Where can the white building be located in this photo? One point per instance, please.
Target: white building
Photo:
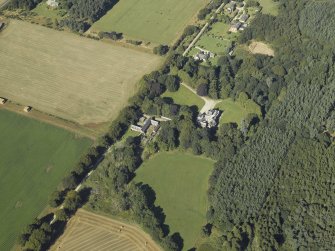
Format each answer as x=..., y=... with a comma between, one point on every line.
x=52, y=3
x=208, y=119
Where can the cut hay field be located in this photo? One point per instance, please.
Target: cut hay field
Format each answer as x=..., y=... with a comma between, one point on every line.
x=34, y=157
x=180, y=181
x=156, y=21
x=87, y=231
x=71, y=77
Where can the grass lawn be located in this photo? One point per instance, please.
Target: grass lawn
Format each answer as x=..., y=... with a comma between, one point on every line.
x=269, y=7
x=234, y=112
x=157, y=21
x=33, y=159
x=185, y=97
x=217, y=39
x=180, y=181
x=43, y=10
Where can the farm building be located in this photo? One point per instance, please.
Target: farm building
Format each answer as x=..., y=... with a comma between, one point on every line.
x=244, y=18
x=27, y=108
x=3, y=101
x=231, y=7
x=143, y=125
x=209, y=118
x=52, y=3
x=235, y=27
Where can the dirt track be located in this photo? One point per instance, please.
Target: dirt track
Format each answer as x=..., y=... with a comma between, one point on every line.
x=87, y=231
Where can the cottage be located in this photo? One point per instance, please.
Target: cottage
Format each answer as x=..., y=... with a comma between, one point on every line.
x=244, y=18
x=52, y=3
x=235, y=27
x=27, y=109
x=3, y=101
x=231, y=7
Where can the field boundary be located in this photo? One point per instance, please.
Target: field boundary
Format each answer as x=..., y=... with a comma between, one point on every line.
x=51, y=119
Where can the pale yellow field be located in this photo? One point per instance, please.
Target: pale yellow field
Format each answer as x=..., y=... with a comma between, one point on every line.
x=65, y=75
x=91, y=232
x=261, y=48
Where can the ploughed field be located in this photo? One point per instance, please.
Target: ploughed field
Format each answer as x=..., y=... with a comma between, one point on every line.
x=87, y=231
x=34, y=157
x=71, y=77
x=156, y=21
x=180, y=181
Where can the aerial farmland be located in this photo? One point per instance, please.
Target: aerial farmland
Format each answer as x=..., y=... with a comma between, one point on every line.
x=151, y=21
x=43, y=155
x=68, y=76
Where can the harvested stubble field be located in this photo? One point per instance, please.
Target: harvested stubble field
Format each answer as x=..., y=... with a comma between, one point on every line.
x=71, y=77
x=87, y=231
x=157, y=21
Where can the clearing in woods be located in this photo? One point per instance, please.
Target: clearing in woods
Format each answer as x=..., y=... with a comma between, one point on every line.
x=156, y=21
x=87, y=231
x=184, y=97
x=34, y=157
x=261, y=48
x=269, y=7
x=74, y=78
x=180, y=181
x=235, y=112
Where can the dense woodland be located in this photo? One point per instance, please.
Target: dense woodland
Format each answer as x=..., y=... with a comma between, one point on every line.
x=273, y=185
x=280, y=182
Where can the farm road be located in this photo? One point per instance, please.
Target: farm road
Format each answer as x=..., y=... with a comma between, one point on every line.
x=209, y=103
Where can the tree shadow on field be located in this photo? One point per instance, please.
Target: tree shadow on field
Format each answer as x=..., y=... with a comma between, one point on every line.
x=157, y=210
x=176, y=237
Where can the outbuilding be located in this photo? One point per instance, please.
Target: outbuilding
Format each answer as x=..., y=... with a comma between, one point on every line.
x=27, y=108
x=3, y=101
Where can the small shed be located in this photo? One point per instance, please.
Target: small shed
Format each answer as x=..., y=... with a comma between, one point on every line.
x=3, y=101
x=231, y=7
x=244, y=18
x=235, y=27
x=27, y=108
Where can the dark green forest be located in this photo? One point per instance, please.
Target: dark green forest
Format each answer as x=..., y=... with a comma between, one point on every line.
x=279, y=189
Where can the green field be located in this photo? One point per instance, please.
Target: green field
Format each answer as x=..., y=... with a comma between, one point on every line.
x=180, y=181
x=269, y=7
x=157, y=21
x=185, y=97
x=234, y=111
x=33, y=159
x=43, y=10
